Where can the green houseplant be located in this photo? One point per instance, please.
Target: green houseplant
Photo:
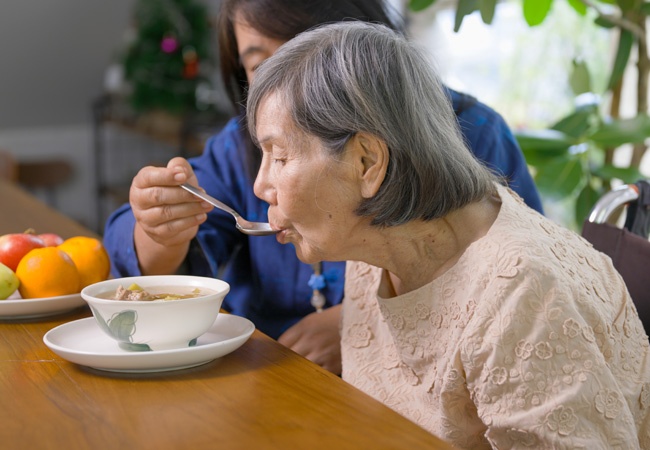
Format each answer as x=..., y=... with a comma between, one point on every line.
x=572, y=158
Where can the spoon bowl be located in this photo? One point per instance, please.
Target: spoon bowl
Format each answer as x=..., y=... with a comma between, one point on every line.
x=243, y=225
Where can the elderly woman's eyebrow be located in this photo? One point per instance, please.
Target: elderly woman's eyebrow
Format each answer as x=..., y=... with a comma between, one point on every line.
x=265, y=139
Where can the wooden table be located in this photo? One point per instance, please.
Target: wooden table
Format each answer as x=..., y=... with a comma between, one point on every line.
x=261, y=396
x=19, y=210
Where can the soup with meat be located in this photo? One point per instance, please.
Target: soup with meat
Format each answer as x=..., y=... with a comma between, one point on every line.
x=153, y=293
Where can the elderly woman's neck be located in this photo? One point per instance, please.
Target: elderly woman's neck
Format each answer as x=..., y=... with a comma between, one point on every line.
x=429, y=249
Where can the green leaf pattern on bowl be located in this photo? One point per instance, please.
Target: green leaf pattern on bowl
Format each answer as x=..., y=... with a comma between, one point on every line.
x=121, y=326
x=134, y=347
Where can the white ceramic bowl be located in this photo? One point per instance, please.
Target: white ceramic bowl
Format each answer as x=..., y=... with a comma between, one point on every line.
x=144, y=325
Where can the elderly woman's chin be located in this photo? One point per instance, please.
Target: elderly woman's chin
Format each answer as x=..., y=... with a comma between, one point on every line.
x=307, y=254
x=307, y=257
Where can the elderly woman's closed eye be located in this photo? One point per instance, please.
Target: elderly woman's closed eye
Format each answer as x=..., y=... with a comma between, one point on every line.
x=458, y=312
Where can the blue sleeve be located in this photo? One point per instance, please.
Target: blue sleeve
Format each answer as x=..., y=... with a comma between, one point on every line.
x=220, y=171
x=491, y=140
x=118, y=240
x=217, y=172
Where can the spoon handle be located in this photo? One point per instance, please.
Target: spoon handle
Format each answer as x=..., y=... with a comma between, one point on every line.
x=213, y=201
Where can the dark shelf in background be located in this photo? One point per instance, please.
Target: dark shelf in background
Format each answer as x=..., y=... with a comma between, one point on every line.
x=115, y=165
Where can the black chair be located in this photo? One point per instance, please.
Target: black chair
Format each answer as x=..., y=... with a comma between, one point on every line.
x=45, y=176
x=628, y=246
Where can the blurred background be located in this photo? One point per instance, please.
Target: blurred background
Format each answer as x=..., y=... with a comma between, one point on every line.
x=79, y=122
x=64, y=111
x=55, y=56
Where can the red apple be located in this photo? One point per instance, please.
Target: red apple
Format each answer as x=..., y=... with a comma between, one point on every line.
x=16, y=245
x=51, y=239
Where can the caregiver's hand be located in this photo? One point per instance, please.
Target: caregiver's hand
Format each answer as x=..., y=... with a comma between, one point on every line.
x=317, y=338
x=167, y=217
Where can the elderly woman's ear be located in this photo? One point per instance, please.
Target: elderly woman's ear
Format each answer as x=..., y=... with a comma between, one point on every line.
x=369, y=155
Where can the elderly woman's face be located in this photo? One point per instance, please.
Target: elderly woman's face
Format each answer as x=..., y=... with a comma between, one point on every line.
x=312, y=195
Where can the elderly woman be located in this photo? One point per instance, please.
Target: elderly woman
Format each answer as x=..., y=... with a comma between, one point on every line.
x=465, y=310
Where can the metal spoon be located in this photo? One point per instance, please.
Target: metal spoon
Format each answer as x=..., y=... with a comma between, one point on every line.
x=243, y=225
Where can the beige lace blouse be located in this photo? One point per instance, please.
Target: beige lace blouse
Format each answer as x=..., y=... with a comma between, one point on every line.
x=530, y=341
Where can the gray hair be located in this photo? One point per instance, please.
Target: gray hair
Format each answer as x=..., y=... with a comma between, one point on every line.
x=341, y=79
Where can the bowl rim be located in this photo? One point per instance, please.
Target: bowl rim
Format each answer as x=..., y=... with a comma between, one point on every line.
x=221, y=287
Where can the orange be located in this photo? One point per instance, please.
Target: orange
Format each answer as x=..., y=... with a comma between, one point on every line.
x=47, y=272
x=90, y=256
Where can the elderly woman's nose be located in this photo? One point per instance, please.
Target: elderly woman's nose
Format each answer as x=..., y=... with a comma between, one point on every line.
x=262, y=187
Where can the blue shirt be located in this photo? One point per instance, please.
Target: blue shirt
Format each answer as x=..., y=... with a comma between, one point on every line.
x=268, y=284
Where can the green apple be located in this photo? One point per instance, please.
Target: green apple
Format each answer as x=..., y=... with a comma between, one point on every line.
x=8, y=282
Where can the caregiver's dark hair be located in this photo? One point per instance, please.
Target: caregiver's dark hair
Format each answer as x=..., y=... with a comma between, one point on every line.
x=341, y=79
x=282, y=20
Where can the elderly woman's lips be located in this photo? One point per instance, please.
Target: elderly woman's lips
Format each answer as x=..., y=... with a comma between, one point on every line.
x=281, y=235
x=276, y=227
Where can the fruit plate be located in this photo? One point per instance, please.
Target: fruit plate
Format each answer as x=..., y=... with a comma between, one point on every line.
x=16, y=308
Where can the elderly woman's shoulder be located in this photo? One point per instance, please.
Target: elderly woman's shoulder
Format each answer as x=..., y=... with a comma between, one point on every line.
x=539, y=269
x=536, y=247
x=540, y=234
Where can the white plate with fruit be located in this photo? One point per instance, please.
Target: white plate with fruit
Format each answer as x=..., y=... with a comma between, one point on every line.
x=18, y=308
x=42, y=275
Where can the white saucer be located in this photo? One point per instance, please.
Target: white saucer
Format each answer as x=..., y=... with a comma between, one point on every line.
x=83, y=342
x=16, y=308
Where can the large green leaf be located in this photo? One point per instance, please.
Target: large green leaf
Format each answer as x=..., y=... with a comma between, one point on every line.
x=419, y=5
x=623, y=131
x=487, y=8
x=538, y=158
x=626, y=5
x=544, y=140
x=625, y=174
x=585, y=202
x=645, y=8
x=560, y=178
x=603, y=22
x=535, y=11
x=579, y=79
x=579, y=122
x=464, y=8
x=579, y=7
x=622, y=56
